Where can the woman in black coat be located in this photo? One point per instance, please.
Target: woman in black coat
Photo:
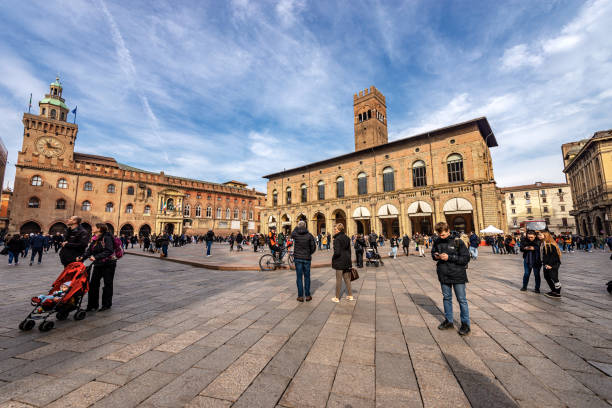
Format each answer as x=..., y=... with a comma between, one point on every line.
x=102, y=252
x=341, y=262
x=551, y=261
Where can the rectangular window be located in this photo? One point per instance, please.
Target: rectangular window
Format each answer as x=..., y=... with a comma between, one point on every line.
x=418, y=177
x=288, y=197
x=304, y=195
x=512, y=195
x=362, y=185
x=560, y=190
x=562, y=208
x=564, y=222
x=321, y=191
x=527, y=194
x=543, y=192
x=561, y=198
x=545, y=209
x=528, y=210
x=547, y=220
x=511, y=202
x=514, y=221
x=340, y=188
x=527, y=201
x=388, y=182
x=455, y=171
x=543, y=199
x=513, y=211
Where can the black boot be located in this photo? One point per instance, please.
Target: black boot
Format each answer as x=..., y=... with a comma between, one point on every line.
x=464, y=329
x=445, y=325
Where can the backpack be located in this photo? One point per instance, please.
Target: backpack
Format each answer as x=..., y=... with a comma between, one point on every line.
x=117, y=248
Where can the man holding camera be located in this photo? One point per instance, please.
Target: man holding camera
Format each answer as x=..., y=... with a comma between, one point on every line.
x=452, y=258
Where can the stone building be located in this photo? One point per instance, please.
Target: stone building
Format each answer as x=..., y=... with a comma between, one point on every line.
x=5, y=203
x=550, y=202
x=404, y=186
x=588, y=169
x=53, y=182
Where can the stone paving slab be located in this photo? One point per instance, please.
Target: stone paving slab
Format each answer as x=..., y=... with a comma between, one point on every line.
x=184, y=336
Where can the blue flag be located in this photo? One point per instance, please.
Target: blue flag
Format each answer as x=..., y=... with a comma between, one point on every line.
x=74, y=110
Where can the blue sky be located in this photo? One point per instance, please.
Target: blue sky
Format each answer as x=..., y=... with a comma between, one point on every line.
x=221, y=90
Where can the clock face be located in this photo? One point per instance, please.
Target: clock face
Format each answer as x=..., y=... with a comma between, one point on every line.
x=49, y=146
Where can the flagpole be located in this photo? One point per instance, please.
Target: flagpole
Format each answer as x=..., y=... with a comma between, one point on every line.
x=30, y=105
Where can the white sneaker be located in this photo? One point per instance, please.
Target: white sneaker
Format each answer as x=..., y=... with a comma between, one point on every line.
x=350, y=298
x=335, y=300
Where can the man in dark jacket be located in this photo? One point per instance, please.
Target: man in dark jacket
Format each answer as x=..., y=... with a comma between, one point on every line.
x=75, y=241
x=15, y=246
x=474, y=243
x=57, y=241
x=37, y=243
x=530, y=247
x=304, y=246
x=406, y=244
x=452, y=257
x=209, y=238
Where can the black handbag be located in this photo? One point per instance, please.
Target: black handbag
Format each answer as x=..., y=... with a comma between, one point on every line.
x=354, y=274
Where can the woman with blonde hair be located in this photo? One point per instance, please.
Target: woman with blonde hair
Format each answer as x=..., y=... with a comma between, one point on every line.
x=551, y=260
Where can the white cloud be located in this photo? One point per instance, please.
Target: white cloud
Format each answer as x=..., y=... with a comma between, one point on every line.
x=561, y=44
x=518, y=56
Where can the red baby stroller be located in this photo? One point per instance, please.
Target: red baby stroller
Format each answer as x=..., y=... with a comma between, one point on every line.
x=78, y=275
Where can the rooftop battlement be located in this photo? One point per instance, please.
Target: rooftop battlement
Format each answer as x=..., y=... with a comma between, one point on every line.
x=366, y=93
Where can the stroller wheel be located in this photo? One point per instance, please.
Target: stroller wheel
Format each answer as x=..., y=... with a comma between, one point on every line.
x=80, y=315
x=46, y=326
x=61, y=315
x=27, y=324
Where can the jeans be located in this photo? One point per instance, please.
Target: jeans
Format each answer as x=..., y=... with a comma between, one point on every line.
x=495, y=249
x=208, y=246
x=447, y=294
x=536, y=274
x=393, y=252
x=104, y=271
x=302, y=271
x=12, y=256
x=474, y=252
x=165, y=249
x=34, y=252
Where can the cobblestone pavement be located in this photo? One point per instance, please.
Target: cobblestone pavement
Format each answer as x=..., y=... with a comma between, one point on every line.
x=179, y=335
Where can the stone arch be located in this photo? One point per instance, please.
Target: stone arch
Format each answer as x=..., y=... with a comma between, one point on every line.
x=339, y=216
x=599, y=227
x=127, y=229
x=144, y=230
x=286, y=223
x=58, y=227
x=320, y=225
x=459, y=214
x=30, y=227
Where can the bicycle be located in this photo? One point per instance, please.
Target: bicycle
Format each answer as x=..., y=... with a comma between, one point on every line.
x=269, y=262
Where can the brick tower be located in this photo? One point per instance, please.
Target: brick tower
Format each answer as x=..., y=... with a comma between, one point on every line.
x=370, y=112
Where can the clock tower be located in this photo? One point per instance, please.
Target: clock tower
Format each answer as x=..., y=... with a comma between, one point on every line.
x=48, y=138
x=370, y=110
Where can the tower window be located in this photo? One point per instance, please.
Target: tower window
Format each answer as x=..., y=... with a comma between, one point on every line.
x=130, y=190
x=62, y=183
x=36, y=181
x=53, y=114
x=360, y=118
x=369, y=114
x=88, y=186
x=62, y=116
x=110, y=188
x=44, y=110
x=362, y=184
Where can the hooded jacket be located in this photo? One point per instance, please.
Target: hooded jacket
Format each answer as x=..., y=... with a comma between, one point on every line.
x=304, y=244
x=453, y=270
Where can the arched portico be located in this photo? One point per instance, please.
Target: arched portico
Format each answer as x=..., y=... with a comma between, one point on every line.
x=30, y=227
x=421, y=217
x=127, y=230
x=362, y=217
x=339, y=216
x=459, y=215
x=286, y=223
x=388, y=215
x=320, y=226
x=58, y=227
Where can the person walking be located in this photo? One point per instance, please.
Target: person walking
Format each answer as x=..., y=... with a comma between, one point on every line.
x=37, y=243
x=394, y=243
x=57, y=241
x=102, y=252
x=452, y=257
x=406, y=244
x=360, y=245
x=239, y=239
x=474, y=243
x=209, y=238
x=551, y=261
x=304, y=246
x=530, y=247
x=75, y=242
x=15, y=246
x=231, y=242
x=341, y=262
x=421, y=244
x=373, y=239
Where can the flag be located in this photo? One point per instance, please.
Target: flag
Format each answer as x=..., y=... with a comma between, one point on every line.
x=30, y=105
x=73, y=111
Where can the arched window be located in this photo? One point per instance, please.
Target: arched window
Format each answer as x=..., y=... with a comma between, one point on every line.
x=454, y=165
x=304, y=189
x=288, y=195
x=419, y=174
x=244, y=215
x=360, y=118
x=53, y=114
x=321, y=190
x=388, y=179
x=340, y=187
x=208, y=212
x=187, y=210
x=109, y=207
x=228, y=213
x=362, y=183
x=62, y=183
x=274, y=198
x=33, y=202
x=86, y=206
x=36, y=181
x=236, y=213
x=130, y=190
x=88, y=186
x=147, y=209
x=62, y=116
x=60, y=204
x=250, y=215
x=110, y=188
x=149, y=192
x=198, y=211
x=219, y=212
x=129, y=209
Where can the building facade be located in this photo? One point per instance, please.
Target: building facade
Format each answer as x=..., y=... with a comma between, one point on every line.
x=588, y=169
x=549, y=202
x=405, y=186
x=53, y=182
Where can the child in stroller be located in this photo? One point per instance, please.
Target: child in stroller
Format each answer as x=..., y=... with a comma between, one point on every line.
x=373, y=258
x=65, y=295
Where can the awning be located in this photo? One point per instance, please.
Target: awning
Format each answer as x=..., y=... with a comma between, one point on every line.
x=457, y=206
x=271, y=219
x=361, y=213
x=286, y=222
x=419, y=209
x=271, y=224
x=388, y=211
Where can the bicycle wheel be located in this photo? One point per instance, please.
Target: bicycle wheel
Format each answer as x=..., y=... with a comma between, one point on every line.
x=267, y=263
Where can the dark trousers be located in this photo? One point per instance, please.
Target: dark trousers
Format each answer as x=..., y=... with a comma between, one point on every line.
x=552, y=278
x=104, y=271
x=536, y=274
x=34, y=252
x=57, y=246
x=359, y=256
x=302, y=271
x=406, y=250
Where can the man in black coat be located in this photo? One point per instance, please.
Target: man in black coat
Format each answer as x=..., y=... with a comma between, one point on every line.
x=75, y=241
x=452, y=257
x=406, y=244
x=530, y=247
x=209, y=238
x=304, y=246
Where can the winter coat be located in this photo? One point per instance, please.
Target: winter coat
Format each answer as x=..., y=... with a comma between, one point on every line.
x=210, y=236
x=102, y=249
x=550, y=256
x=15, y=245
x=531, y=256
x=393, y=242
x=304, y=244
x=341, y=260
x=406, y=241
x=453, y=270
x=359, y=245
x=77, y=240
x=474, y=241
x=37, y=241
